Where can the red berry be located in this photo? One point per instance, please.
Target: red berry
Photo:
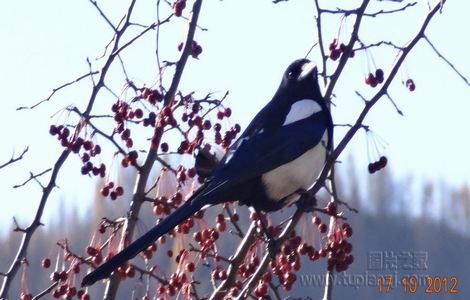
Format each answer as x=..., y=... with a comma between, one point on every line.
x=332, y=208
x=196, y=49
x=87, y=145
x=206, y=125
x=180, y=46
x=164, y=147
x=333, y=44
x=190, y=267
x=104, y=191
x=46, y=263
x=410, y=85
x=383, y=161
x=316, y=220
x=119, y=191
x=371, y=80
x=322, y=228
x=379, y=75
x=26, y=296
x=347, y=231
x=146, y=93
x=91, y=251
x=55, y=276
x=125, y=134
x=178, y=7
x=53, y=130
x=253, y=216
x=221, y=226
x=335, y=54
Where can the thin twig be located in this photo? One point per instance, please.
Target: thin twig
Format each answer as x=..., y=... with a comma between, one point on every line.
x=14, y=159
x=95, y=4
x=57, y=89
x=373, y=15
x=446, y=61
x=32, y=177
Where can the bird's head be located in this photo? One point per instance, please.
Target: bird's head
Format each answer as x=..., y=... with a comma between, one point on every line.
x=300, y=80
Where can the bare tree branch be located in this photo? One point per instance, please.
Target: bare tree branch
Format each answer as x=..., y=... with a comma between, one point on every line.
x=15, y=159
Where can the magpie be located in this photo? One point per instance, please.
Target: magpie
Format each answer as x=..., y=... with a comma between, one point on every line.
x=279, y=155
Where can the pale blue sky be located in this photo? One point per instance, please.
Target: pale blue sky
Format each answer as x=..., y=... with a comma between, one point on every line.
x=246, y=49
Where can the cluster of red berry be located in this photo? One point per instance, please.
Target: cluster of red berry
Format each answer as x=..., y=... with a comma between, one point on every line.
x=340, y=249
x=287, y=262
x=410, y=85
x=113, y=194
x=178, y=283
x=195, y=50
x=206, y=239
x=228, y=137
x=163, y=205
x=64, y=288
x=178, y=7
x=128, y=270
x=336, y=51
x=95, y=253
x=75, y=144
x=322, y=227
x=374, y=80
x=152, y=96
x=123, y=112
x=377, y=165
x=63, y=279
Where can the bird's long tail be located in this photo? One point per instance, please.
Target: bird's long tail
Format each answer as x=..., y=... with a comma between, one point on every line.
x=171, y=221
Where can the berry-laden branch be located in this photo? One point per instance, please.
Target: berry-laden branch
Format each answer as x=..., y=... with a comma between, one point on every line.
x=235, y=262
x=143, y=176
x=29, y=231
x=14, y=159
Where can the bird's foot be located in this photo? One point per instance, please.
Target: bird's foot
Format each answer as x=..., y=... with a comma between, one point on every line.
x=307, y=201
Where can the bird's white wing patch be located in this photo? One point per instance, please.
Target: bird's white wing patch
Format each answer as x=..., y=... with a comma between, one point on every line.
x=302, y=109
x=231, y=152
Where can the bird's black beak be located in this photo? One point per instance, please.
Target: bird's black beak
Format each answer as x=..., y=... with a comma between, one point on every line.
x=308, y=70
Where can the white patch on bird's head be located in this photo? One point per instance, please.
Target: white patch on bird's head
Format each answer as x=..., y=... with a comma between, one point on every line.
x=302, y=109
x=307, y=69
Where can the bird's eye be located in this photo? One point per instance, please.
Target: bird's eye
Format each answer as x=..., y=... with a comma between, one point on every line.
x=291, y=75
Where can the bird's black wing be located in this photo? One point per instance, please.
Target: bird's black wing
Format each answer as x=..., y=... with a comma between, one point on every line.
x=262, y=151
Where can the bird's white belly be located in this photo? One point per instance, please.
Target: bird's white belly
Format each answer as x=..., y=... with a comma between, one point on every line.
x=300, y=173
